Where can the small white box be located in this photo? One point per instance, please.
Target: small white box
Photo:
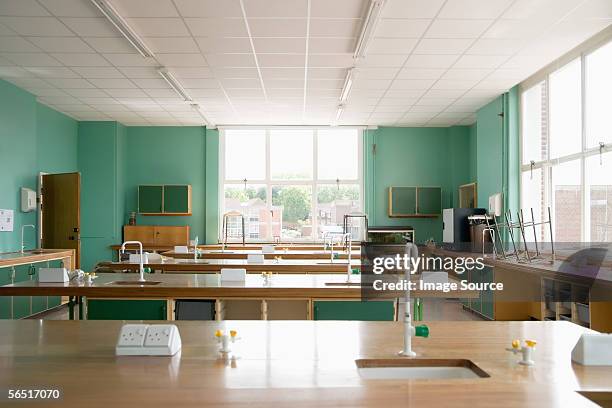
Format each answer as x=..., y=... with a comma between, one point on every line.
x=255, y=258
x=233, y=274
x=267, y=249
x=53, y=275
x=28, y=200
x=181, y=249
x=593, y=349
x=135, y=258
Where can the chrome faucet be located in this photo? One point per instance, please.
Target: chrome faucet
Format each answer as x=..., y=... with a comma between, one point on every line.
x=195, y=248
x=409, y=330
x=346, y=238
x=23, y=227
x=141, y=269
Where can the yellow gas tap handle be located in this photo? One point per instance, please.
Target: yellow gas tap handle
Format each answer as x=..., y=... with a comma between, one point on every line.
x=530, y=343
x=233, y=333
x=516, y=344
x=218, y=333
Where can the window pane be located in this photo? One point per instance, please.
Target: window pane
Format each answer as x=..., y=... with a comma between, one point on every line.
x=291, y=154
x=251, y=203
x=333, y=203
x=598, y=91
x=598, y=178
x=245, y=154
x=532, y=198
x=293, y=206
x=566, y=204
x=565, y=112
x=533, y=123
x=338, y=154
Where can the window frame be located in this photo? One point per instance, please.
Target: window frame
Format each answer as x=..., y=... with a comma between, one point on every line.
x=547, y=164
x=269, y=182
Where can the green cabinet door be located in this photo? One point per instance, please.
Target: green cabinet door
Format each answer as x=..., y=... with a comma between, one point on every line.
x=354, y=310
x=403, y=201
x=150, y=199
x=21, y=304
x=53, y=301
x=39, y=303
x=476, y=303
x=487, y=296
x=466, y=275
x=120, y=309
x=176, y=199
x=5, y=301
x=429, y=200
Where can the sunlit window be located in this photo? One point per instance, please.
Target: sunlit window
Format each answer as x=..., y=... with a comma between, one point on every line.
x=291, y=184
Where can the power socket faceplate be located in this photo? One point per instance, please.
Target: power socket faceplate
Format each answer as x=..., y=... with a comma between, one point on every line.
x=148, y=340
x=132, y=335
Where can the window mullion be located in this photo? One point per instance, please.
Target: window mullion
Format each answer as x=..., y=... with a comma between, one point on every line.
x=583, y=201
x=314, y=183
x=268, y=184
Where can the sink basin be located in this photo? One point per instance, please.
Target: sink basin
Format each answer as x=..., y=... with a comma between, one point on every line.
x=134, y=283
x=418, y=369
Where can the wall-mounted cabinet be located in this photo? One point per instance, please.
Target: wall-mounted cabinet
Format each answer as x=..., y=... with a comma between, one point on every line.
x=164, y=199
x=415, y=202
x=157, y=235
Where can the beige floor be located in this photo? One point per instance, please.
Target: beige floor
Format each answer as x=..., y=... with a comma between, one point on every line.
x=433, y=309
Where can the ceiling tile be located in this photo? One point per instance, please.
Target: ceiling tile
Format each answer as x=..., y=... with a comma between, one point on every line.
x=382, y=60
x=280, y=45
x=228, y=73
x=480, y=61
x=87, y=92
x=337, y=8
x=61, y=44
x=444, y=93
x=593, y=9
x=275, y=8
x=442, y=46
x=159, y=27
x=402, y=46
x=22, y=8
x=91, y=27
x=112, y=83
x=224, y=45
x=489, y=46
x=162, y=93
x=37, y=26
x=326, y=73
x=527, y=9
x=420, y=73
x=411, y=8
x=140, y=72
x=330, y=60
x=110, y=44
x=182, y=60
x=144, y=8
x=516, y=29
x=16, y=44
x=361, y=83
x=322, y=45
x=98, y=72
x=125, y=92
x=209, y=8
x=151, y=83
x=442, y=28
x=172, y=44
x=230, y=60
x=281, y=60
x=412, y=83
x=241, y=83
x=66, y=83
x=200, y=83
x=430, y=61
x=464, y=74
x=401, y=28
x=31, y=59
x=282, y=73
x=376, y=73
x=130, y=60
x=474, y=9
x=462, y=84
x=70, y=8
x=344, y=28
x=214, y=27
x=81, y=59
x=277, y=27
x=53, y=72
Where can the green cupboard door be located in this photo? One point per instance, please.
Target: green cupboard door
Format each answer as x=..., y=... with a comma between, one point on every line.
x=354, y=310
x=488, y=303
x=39, y=303
x=176, y=199
x=21, y=304
x=5, y=301
x=429, y=200
x=53, y=301
x=119, y=309
x=466, y=275
x=476, y=303
x=150, y=199
x=402, y=201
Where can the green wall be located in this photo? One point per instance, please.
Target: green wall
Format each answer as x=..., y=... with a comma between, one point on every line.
x=166, y=155
x=33, y=138
x=415, y=157
x=212, y=186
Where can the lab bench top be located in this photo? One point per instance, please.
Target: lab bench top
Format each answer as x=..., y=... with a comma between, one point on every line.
x=215, y=265
x=239, y=246
x=297, y=364
x=244, y=253
x=182, y=286
x=8, y=259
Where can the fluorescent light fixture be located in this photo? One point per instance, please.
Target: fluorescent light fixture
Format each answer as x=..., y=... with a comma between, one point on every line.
x=174, y=84
x=339, y=112
x=369, y=25
x=111, y=14
x=348, y=84
x=198, y=109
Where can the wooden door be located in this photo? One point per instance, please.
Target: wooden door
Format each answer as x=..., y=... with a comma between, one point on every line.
x=61, y=212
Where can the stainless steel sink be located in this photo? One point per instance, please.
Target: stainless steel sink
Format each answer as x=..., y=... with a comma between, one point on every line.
x=134, y=283
x=418, y=369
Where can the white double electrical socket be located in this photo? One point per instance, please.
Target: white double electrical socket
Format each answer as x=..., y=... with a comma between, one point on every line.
x=148, y=340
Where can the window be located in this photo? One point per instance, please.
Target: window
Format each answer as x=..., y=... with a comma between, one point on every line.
x=290, y=184
x=565, y=163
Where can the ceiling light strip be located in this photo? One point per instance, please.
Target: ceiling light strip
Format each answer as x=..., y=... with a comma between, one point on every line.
x=348, y=84
x=368, y=28
x=202, y=114
x=174, y=84
x=113, y=16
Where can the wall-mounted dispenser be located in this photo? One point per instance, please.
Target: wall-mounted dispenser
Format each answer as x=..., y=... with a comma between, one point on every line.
x=495, y=204
x=28, y=200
